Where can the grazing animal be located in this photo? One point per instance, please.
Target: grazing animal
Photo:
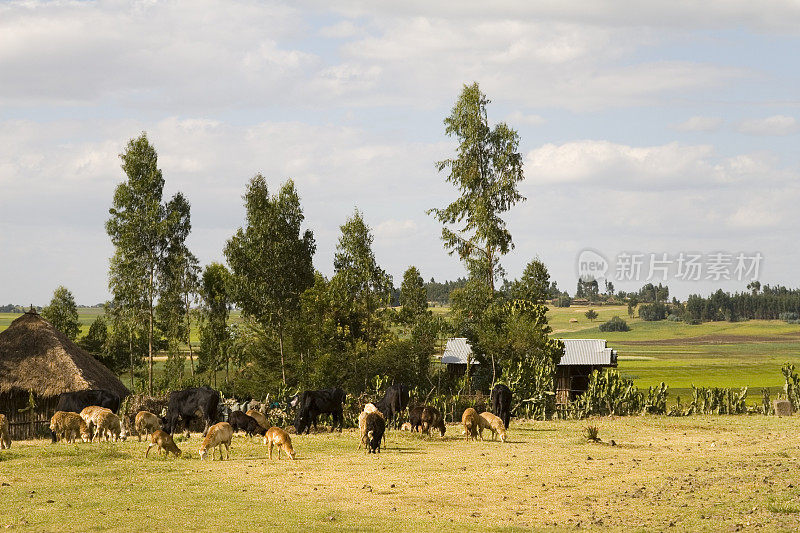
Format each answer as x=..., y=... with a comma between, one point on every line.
x=432, y=418
x=90, y=415
x=260, y=418
x=362, y=422
x=292, y=402
x=218, y=435
x=146, y=423
x=375, y=430
x=108, y=426
x=501, y=403
x=471, y=422
x=316, y=402
x=5, y=433
x=162, y=441
x=406, y=427
x=188, y=404
x=240, y=421
x=493, y=423
x=415, y=417
x=77, y=401
x=277, y=437
x=68, y=426
x=393, y=403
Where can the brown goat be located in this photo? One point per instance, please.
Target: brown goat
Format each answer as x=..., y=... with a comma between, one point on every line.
x=362, y=418
x=163, y=441
x=218, y=435
x=146, y=423
x=5, y=433
x=277, y=437
x=108, y=426
x=69, y=426
x=90, y=415
x=493, y=423
x=260, y=418
x=471, y=422
x=432, y=418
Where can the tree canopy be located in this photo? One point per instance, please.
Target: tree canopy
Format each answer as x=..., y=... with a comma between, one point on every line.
x=63, y=313
x=486, y=171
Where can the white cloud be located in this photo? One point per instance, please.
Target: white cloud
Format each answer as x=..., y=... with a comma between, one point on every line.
x=774, y=125
x=705, y=124
x=518, y=117
x=392, y=229
x=776, y=15
x=340, y=30
x=612, y=165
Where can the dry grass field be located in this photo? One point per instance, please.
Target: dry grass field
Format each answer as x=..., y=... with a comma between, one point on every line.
x=698, y=473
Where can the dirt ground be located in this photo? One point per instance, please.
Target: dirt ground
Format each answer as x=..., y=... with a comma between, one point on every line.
x=701, y=473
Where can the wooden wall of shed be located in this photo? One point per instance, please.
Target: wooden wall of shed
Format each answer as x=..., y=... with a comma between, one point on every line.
x=25, y=425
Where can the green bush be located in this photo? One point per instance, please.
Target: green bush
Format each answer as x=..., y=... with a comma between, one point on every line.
x=615, y=324
x=653, y=312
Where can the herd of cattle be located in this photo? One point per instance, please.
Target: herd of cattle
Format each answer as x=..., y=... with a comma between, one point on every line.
x=92, y=416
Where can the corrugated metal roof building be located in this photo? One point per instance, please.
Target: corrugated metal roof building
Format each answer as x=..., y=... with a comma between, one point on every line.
x=457, y=352
x=581, y=358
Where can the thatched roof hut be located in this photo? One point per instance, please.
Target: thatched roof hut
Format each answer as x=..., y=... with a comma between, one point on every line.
x=37, y=358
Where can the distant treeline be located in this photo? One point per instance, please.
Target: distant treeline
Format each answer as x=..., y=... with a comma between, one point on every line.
x=12, y=308
x=768, y=303
x=439, y=292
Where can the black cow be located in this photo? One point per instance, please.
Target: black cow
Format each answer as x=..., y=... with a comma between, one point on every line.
x=415, y=417
x=316, y=402
x=77, y=401
x=186, y=405
x=375, y=429
x=239, y=420
x=501, y=403
x=393, y=403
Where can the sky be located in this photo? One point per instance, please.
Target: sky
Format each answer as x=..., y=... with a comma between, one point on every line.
x=655, y=135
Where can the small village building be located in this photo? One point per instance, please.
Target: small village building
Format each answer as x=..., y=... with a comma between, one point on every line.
x=38, y=363
x=457, y=354
x=581, y=358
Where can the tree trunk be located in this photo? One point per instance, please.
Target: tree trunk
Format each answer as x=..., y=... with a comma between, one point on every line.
x=150, y=339
x=130, y=350
x=283, y=366
x=189, y=333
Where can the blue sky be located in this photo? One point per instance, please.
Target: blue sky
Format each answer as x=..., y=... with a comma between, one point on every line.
x=663, y=127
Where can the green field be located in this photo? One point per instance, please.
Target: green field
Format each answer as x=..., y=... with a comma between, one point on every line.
x=714, y=473
x=714, y=354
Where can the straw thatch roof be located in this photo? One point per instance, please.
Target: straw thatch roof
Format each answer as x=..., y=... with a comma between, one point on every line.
x=36, y=356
